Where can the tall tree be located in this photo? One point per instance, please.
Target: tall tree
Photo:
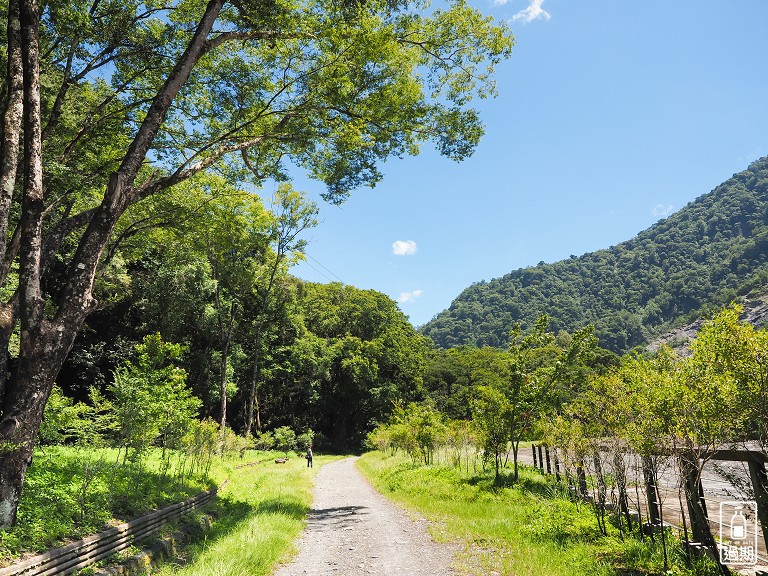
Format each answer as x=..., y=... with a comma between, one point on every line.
x=374, y=358
x=292, y=213
x=234, y=241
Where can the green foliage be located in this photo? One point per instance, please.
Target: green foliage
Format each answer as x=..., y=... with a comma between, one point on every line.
x=419, y=429
x=672, y=402
x=696, y=260
x=265, y=441
x=357, y=359
x=305, y=440
x=284, y=438
x=334, y=90
x=448, y=380
x=200, y=443
x=491, y=416
x=732, y=356
x=63, y=419
x=150, y=400
x=71, y=492
x=668, y=409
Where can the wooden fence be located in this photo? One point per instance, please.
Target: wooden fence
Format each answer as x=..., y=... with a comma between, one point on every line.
x=755, y=460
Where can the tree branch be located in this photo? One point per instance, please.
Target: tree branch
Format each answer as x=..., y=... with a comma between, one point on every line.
x=224, y=37
x=11, y=127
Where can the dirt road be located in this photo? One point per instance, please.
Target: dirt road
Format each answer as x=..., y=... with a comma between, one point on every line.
x=353, y=530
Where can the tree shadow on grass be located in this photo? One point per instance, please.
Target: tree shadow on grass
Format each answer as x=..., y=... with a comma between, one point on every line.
x=541, y=488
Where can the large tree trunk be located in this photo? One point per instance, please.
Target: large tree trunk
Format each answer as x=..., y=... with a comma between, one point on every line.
x=22, y=414
x=9, y=159
x=24, y=399
x=44, y=343
x=11, y=126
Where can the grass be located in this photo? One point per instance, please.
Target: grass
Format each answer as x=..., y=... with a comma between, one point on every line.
x=72, y=492
x=523, y=528
x=259, y=514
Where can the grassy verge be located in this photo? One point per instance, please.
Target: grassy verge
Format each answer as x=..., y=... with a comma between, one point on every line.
x=528, y=528
x=72, y=492
x=259, y=514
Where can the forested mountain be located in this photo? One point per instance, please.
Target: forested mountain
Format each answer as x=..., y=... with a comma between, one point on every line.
x=703, y=256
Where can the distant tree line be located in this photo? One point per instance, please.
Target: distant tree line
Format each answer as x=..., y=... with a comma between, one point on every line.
x=329, y=358
x=488, y=400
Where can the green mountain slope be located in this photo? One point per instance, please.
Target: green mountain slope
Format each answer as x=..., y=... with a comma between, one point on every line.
x=701, y=257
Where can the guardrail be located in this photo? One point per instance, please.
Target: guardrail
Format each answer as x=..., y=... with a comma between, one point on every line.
x=91, y=549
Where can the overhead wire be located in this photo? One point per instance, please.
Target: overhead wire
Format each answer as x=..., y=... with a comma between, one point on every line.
x=324, y=275
x=324, y=268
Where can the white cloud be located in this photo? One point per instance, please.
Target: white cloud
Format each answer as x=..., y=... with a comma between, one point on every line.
x=662, y=211
x=407, y=297
x=533, y=12
x=403, y=247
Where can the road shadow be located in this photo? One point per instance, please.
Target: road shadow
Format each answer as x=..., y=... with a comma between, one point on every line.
x=338, y=517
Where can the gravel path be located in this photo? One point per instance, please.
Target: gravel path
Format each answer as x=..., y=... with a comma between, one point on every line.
x=353, y=530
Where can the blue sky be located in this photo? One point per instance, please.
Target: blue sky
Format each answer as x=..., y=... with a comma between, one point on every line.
x=611, y=115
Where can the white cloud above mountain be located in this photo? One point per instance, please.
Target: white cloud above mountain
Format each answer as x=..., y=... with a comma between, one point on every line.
x=662, y=210
x=408, y=297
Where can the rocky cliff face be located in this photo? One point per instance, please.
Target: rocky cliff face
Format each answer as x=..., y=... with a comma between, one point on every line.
x=755, y=312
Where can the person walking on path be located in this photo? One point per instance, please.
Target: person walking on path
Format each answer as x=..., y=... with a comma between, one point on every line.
x=309, y=456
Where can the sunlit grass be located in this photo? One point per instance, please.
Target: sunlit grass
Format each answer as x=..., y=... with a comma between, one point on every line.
x=260, y=514
x=527, y=528
x=72, y=492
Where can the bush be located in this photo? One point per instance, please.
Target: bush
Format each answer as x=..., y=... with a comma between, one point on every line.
x=285, y=439
x=305, y=440
x=264, y=441
x=62, y=419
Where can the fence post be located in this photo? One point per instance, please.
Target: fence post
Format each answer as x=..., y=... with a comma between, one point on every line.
x=654, y=513
x=557, y=466
x=760, y=485
x=694, y=497
x=541, y=460
x=533, y=447
x=546, y=453
x=582, y=479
